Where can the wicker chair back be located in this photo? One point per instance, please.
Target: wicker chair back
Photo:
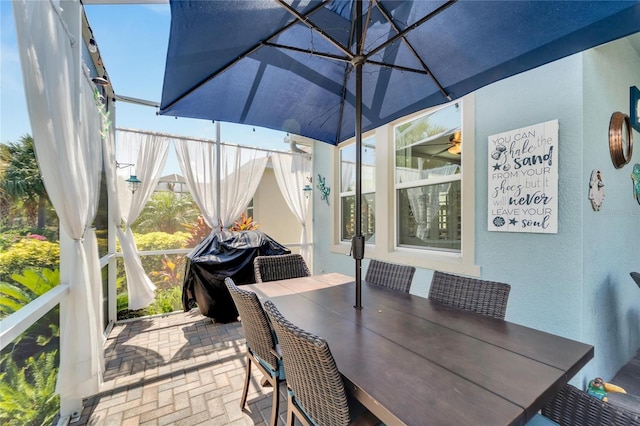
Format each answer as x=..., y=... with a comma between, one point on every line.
x=390, y=275
x=280, y=267
x=483, y=297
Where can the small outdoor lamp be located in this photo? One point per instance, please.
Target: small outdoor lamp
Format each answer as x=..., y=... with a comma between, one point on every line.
x=93, y=47
x=101, y=81
x=307, y=188
x=133, y=183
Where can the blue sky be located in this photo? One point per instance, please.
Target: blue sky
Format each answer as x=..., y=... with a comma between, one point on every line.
x=133, y=42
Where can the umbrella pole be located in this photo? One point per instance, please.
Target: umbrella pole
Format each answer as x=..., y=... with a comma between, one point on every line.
x=358, y=239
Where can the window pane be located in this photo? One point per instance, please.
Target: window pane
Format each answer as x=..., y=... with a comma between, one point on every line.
x=426, y=146
x=430, y=216
x=101, y=221
x=348, y=166
x=348, y=209
x=105, y=296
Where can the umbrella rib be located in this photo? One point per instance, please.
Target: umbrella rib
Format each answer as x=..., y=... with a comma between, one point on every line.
x=343, y=59
x=305, y=20
x=410, y=46
x=413, y=26
x=243, y=55
x=401, y=68
x=311, y=52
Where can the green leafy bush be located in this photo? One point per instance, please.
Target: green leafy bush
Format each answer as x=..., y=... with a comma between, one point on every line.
x=8, y=237
x=27, y=394
x=28, y=253
x=167, y=300
x=153, y=265
x=161, y=240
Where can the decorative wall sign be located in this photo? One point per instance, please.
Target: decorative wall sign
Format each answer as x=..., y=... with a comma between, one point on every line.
x=596, y=190
x=523, y=179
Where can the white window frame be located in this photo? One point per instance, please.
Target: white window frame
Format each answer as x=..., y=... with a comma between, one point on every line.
x=385, y=247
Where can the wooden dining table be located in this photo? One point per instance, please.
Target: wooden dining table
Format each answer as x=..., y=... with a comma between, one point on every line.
x=416, y=362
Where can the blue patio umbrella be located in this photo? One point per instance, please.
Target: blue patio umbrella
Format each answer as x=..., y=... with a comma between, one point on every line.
x=332, y=69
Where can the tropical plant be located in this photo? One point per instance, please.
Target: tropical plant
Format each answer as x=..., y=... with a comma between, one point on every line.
x=45, y=332
x=29, y=286
x=166, y=211
x=244, y=224
x=27, y=394
x=171, y=273
x=198, y=231
x=21, y=180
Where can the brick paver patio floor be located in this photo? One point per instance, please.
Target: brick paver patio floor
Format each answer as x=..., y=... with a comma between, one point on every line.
x=177, y=369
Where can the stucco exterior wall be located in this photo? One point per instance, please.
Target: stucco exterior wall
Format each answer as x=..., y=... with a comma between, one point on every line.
x=270, y=211
x=611, y=237
x=574, y=283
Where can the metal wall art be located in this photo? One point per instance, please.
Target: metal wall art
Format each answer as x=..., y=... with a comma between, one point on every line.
x=324, y=190
x=620, y=139
x=634, y=107
x=596, y=190
x=635, y=176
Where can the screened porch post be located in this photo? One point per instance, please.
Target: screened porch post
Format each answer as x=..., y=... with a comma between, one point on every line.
x=70, y=404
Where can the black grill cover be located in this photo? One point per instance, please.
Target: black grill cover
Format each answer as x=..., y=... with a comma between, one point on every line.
x=223, y=254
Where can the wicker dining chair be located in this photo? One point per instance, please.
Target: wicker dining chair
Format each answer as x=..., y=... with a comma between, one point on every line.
x=261, y=344
x=316, y=393
x=572, y=406
x=280, y=267
x=390, y=275
x=483, y=297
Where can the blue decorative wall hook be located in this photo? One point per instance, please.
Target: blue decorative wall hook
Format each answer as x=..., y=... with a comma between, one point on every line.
x=324, y=190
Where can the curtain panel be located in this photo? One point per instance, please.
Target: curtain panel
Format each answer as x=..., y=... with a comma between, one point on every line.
x=66, y=131
x=197, y=161
x=292, y=173
x=148, y=152
x=241, y=171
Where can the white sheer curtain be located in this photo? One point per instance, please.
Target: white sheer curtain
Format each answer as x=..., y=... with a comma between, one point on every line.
x=197, y=162
x=149, y=154
x=424, y=200
x=292, y=173
x=66, y=134
x=347, y=174
x=240, y=175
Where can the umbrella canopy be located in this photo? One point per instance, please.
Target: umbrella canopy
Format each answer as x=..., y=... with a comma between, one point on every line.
x=330, y=70
x=286, y=65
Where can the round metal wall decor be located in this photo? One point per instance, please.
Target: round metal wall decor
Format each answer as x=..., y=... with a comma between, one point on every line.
x=620, y=139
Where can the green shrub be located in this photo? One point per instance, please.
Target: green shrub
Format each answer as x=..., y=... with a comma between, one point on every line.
x=161, y=240
x=28, y=253
x=167, y=300
x=153, y=265
x=27, y=394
